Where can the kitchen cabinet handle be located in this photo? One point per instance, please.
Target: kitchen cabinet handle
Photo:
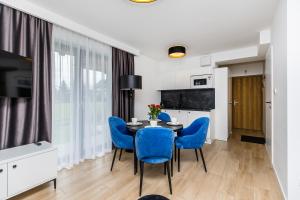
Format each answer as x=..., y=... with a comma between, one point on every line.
x=1, y=170
x=14, y=166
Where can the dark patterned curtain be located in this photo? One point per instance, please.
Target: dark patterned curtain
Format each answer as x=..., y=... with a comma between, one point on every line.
x=26, y=120
x=122, y=64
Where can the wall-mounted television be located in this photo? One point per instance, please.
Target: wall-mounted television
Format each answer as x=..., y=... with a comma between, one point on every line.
x=15, y=75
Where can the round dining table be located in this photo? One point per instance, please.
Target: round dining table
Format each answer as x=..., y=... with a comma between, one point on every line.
x=144, y=124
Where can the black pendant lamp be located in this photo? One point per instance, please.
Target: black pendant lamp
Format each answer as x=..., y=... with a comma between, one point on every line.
x=177, y=52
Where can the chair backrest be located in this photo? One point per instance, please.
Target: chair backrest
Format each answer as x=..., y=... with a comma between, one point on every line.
x=154, y=143
x=201, y=124
x=117, y=128
x=198, y=127
x=165, y=117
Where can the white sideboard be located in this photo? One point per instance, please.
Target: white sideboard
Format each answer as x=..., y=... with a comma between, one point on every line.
x=25, y=167
x=186, y=117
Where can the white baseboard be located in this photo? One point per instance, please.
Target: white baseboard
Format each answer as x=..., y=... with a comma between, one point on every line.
x=278, y=180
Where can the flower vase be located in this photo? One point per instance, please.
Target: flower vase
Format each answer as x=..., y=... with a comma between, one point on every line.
x=153, y=122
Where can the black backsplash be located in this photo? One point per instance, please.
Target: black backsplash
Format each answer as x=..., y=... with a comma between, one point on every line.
x=189, y=99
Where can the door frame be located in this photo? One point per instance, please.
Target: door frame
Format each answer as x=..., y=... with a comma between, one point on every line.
x=269, y=56
x=262, y=99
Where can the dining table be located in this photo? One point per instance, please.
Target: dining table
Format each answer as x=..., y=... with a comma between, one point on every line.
x=133, y=128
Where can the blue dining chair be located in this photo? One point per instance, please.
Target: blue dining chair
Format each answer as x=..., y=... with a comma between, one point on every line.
x=193, y=137
x=165, y=117
x=154, y=146
x=120, y=136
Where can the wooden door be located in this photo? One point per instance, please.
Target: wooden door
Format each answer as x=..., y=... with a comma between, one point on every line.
x=247, y=103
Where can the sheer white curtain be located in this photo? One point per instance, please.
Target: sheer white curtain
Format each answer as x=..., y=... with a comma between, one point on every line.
x=82, y=92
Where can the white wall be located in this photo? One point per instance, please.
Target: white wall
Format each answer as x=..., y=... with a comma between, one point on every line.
x=229, y=103
x=293, y=95
x=149, y=70
x=221, y=96
x=246, y=69
x=279, y=42
x=175, y=73
x=269, y=98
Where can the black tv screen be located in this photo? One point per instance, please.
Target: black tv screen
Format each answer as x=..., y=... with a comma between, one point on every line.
x=15, y=75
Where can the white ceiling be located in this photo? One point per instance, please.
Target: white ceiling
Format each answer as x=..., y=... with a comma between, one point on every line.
x=204, y=26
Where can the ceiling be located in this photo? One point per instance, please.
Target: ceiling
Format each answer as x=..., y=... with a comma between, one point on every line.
x=203, y=26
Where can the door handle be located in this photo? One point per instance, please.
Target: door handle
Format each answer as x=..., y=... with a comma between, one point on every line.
x=235, y=102
x=1, y=170
x=14, y=166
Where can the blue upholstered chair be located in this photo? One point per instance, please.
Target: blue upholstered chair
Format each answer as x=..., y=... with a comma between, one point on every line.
x=193, y=137
x=120, y=136
x=165, y=117
x=154, y=146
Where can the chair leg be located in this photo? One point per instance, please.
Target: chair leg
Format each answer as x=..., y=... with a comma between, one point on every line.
x=165, y=169
x=203, y=160
x=141, y=176
x=195, y=153
x=113, y=161
x=175, y=151
x=178, y=150
x=135, y=163
x=172, y=166
x=120, y=154
x=169, y=177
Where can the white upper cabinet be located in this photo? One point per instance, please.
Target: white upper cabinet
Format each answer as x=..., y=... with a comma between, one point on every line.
x=176, y=74
x=167, y=80
x=182, y=80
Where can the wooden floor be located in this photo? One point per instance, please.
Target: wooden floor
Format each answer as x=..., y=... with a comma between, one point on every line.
x=236, y=170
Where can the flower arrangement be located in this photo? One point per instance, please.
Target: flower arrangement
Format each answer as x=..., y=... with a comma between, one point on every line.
x=154, y=111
